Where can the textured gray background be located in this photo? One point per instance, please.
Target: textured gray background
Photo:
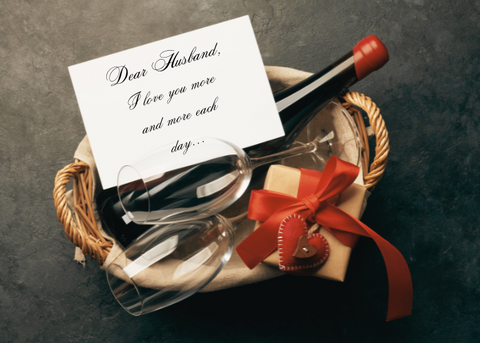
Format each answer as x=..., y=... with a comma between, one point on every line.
x=426, y=204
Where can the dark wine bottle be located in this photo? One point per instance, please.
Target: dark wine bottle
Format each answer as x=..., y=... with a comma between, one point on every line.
x=297, y=106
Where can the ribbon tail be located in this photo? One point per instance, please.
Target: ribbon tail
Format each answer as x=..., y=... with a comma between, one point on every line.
x=400, y=295
x=251, y=252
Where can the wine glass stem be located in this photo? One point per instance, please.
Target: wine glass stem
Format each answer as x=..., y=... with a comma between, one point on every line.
x=235, y=221
x=298, y=150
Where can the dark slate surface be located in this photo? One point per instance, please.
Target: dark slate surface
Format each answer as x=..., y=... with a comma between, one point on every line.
x=426, y=204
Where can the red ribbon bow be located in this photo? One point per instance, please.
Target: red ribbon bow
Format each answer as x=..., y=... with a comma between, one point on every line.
x=272, y=207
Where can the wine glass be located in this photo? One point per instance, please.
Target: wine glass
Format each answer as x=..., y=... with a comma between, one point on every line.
x=171, y=262
x=201, y=177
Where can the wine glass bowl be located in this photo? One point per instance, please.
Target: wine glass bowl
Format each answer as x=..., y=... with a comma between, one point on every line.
x=340, y=132
x=165, y=188
x=170, y=263
x=334, y=133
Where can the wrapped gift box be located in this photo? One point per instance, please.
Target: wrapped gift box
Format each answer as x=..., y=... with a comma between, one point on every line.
x=286, y=180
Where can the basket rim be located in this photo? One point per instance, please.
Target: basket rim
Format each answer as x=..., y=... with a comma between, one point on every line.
x=81, y=227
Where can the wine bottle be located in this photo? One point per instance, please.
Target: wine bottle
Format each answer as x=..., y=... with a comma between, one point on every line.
x=297, y=106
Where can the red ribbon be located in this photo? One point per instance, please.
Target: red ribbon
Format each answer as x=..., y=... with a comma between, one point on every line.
x=311, y=203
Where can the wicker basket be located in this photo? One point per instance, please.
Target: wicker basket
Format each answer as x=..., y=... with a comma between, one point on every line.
x=81, y=227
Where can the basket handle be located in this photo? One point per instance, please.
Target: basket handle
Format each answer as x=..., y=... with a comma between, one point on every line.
x=374, y=173
x=81, y=230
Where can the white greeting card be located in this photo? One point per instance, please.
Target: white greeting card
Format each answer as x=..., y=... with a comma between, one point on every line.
x=206, y=83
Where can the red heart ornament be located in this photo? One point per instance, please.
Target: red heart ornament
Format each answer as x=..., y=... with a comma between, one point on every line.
x=295, y=246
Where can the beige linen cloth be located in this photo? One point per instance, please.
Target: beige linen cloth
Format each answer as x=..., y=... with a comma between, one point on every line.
x=235, y=273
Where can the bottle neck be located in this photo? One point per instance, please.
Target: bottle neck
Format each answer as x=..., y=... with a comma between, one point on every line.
x=300, y=103
x=331, y=81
